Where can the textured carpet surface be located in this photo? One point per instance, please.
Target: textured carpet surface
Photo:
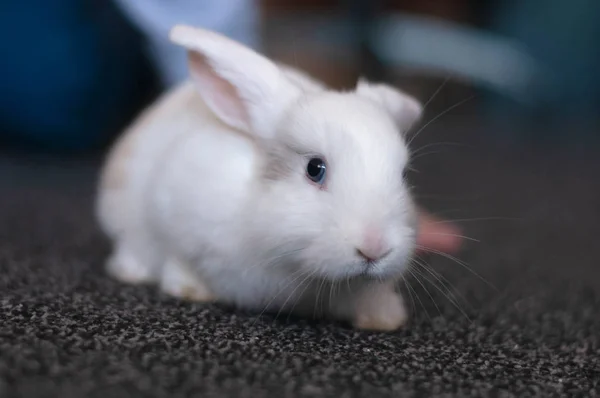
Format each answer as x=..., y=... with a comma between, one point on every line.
x=524, y=322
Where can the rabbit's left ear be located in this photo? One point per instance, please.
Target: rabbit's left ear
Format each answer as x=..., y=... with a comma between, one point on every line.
x=243, y=88
x=405, y=109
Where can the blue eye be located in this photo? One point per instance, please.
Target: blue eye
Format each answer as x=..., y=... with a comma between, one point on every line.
x=315, y=170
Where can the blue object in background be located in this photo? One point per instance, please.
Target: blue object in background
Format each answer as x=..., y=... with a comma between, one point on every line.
x=564, y=37
x=70, y=72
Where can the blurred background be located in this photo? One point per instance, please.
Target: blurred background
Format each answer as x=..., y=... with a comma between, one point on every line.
x=75, y=72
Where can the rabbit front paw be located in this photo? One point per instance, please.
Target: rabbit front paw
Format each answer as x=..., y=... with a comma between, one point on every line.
x=178, y=281
x=380, y=308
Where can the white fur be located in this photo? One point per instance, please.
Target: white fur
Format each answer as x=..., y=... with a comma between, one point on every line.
x=212, y=201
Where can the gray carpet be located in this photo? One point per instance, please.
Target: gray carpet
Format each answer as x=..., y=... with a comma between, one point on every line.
x=524, y=322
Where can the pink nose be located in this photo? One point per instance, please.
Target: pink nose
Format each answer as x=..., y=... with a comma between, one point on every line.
x=374, y=247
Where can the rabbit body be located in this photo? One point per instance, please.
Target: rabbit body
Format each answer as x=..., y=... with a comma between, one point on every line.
x=254, y=185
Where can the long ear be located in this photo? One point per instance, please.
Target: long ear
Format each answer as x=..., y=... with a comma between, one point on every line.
x=244, y=89
x=406, y=110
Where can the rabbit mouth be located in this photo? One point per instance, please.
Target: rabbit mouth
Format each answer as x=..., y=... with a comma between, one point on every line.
x=368, y=270
x=379, y=270
x=370, y=267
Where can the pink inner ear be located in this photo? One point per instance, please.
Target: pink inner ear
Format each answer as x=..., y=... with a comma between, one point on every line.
x=220, y=95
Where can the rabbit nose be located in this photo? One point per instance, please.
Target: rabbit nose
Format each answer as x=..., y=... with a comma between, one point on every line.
x=373, y=247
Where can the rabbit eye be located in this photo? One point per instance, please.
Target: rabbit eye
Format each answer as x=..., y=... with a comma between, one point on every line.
x=315, y=170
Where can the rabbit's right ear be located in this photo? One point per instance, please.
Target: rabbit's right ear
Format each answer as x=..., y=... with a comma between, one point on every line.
x=244, y=89
x=404, y=108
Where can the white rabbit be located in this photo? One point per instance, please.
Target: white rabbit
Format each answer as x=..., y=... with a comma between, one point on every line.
x=254, y=185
